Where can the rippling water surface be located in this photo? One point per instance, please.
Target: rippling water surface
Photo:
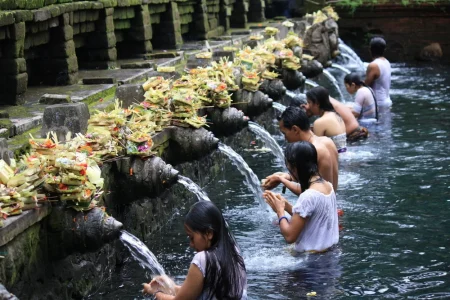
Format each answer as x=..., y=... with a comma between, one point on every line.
x=395, y=192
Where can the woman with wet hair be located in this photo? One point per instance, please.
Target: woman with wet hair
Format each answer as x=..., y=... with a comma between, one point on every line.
x=217, y=271
x=365, y=106
x=329, y=123
x=314, y=223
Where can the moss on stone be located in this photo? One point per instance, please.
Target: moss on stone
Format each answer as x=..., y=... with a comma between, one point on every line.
x=5, y=123
x=18, y=111
x=19, y=143
x=93, y=99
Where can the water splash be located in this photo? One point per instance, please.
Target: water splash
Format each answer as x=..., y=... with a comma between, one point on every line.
x=342, y=68
x=193, y=187
x=278, y=106
x=347, y=50
x=334, y=82
x=267, y=139
x=250, y=177
x=141, y=253
x=311, y=83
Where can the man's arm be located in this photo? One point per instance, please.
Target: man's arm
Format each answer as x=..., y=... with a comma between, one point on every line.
x=372, y=73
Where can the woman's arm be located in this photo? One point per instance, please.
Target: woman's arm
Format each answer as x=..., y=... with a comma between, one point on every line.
x=292, y=186
x=290, y=230
x=191, y=288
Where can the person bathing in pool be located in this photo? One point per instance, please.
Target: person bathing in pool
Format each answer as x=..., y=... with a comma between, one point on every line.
x=329, y=123
x=217, y=271
x=294, y=124
x=314, y=223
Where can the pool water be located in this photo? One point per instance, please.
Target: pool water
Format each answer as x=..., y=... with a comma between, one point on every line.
x=394, y=189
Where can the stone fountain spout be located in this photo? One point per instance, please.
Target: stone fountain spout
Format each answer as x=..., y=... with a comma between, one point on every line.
x=311, y=68
x=275, y=89
x=251, y=103
x=189, y=144
x=227, y=121
x=70, y=230
x=293, y=79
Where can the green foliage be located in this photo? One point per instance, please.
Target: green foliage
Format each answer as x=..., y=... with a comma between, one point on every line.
x=354, y=4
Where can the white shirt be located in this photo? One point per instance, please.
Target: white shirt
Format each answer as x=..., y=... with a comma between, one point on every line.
x=382, y=84
x=321, y=229
x=364, y=103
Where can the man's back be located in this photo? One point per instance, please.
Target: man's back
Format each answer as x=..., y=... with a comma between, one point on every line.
x=327, y=157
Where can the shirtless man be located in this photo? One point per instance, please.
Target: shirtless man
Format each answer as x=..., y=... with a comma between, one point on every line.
x=294, y=124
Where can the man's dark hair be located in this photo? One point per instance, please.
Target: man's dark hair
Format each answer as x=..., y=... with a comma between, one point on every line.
x=295, y=116
x=377, y=46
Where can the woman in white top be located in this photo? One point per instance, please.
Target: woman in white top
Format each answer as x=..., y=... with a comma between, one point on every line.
x=365, y=106
x=217, y=270
x=314, y=223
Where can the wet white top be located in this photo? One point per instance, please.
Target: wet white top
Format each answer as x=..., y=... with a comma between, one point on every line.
x=321, y=229
x=382, y=85
x=200, y=261
x=340, y=141
x=364, y=103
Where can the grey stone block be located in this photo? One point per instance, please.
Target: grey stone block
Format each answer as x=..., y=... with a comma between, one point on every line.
x=54, y=99
x=13, y=66
x=130, y=93
x=64, y=118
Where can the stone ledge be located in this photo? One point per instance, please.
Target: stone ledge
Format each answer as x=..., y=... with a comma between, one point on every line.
x=15, y=225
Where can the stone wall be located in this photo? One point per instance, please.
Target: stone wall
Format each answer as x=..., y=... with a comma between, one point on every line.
x=47, y=41
x=407, y=30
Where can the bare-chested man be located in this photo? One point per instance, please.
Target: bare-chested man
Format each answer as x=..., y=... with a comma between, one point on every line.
x=294, y=124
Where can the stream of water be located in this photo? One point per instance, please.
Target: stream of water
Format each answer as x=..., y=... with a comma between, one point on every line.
x=268, y=140
x=334, y=83
x=141, y=253
x=193, y=187
x=278, y=106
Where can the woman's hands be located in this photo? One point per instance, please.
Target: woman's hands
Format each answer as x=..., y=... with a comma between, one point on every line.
x=151, y=287
x=276, y=202
x=272, y=181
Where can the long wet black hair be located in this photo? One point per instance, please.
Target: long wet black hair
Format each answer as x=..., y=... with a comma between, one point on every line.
x=319, y=95
x=224, y=265
x=303, y=157
x=356, y=79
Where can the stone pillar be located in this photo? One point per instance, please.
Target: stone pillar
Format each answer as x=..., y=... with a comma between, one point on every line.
x=62, y=64
x=226, y=9
x=201, y=24
x=100, y=49
x=256, y=11
x=13, y=68
x=168, y=33
x=239, y=16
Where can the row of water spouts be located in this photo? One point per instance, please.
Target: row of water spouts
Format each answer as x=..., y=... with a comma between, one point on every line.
x=140, y=251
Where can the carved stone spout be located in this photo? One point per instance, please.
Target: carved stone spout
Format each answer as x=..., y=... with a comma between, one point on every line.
x=189, y=144
x=275, y=89
x=251, y=103
x=226, y=121
x=311, y=68
x=293, y=79
x=146, y=177
x=70, y=230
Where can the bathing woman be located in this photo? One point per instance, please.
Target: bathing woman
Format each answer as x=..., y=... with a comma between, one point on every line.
x=217, y=271
x=329, y=123
x=314, y=223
